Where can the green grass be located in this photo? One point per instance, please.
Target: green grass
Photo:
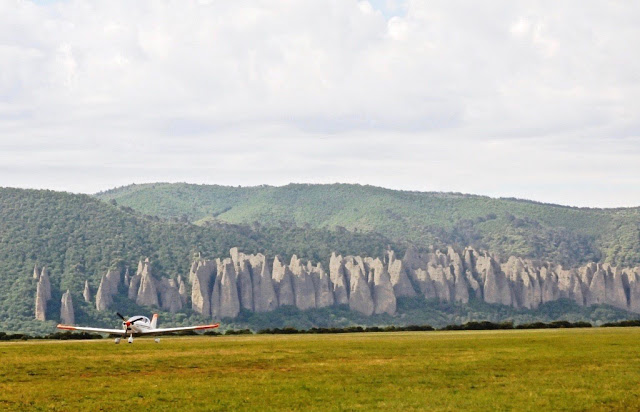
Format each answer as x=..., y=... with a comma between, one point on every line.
x=585, y=369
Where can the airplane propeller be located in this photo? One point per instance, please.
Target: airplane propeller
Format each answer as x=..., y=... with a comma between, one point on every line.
x=128, y=322
x=135, y=320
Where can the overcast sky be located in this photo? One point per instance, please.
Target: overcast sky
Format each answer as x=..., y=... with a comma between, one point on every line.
x=532, y=99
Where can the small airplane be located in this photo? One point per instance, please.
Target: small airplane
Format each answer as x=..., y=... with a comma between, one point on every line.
x=137, y=325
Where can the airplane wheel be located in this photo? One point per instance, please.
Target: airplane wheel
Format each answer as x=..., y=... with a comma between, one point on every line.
x=117, y=340
x=130, y=340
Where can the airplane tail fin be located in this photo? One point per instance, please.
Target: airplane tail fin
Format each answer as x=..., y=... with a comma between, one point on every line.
x=154, y=321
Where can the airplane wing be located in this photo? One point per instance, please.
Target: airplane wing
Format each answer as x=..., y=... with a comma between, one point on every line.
x=170, y=330
x=96, y=330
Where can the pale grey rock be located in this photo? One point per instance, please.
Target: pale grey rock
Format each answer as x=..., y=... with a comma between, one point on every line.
x=304, y=291
x=391, y=257
x=169, y=295
x=140, y=267
x=470, y=257
x=266, y=299
x=322, y=286
x=360, y=299
x=127, y=277
x=549, y=285
x=200, y=287
x=399, y=279
x=236, y=256
x=412, y=259
x=86, y=294
x=245, y=283
x=347, y=275
x=36, y=272
x=367, y=263
x=616, y=286
x=586, y=276
x=41, y=303
x=578, y=294
x=634, y=289
x=425, y=284
x=338, y=280
x=134, y=285
x=471, y=274
x=67, y=315
x=215, y=293
x=441, y=281
x=484, y=263
x=597, y=287
x=147, y=293
x=441, y=259
x=447, y=276
x=496, y=287
x=283, y=283
x=229, y=300
x=103, y=296
x=384, y=298
x=113, y=280
x=475, y=286
x=524, y=282
x=192, y=271
x=256, y=266
x=569, y=285
x=461, y=286
x=182, y=291
x=46, y=283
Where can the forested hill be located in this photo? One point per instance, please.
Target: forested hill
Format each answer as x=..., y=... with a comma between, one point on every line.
x=556, y=233
x=78, y=238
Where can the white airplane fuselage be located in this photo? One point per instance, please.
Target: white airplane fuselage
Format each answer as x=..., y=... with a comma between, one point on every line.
x=140, y=326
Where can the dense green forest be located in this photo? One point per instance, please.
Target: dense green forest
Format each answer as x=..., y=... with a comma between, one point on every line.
x=561, y=234
x=79, y=237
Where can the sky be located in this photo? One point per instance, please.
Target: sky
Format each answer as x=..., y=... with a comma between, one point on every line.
x=530, y=99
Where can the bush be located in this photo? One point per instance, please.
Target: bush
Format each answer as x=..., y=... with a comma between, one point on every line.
x=484, y=325
x=624, y=323
x=239, y=332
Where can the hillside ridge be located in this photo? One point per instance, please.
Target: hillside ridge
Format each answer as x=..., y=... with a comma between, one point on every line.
x=115, y=192
x=506, y=226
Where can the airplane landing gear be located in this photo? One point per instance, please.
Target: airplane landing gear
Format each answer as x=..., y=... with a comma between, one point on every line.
x=130, y=340
x=117, y=341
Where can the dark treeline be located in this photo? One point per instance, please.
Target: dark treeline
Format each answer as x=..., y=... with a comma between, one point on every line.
x=485, y=325
x=554, y=325
x=350, y=329
x=509, y=325
x=624, y=323
x=54, y=336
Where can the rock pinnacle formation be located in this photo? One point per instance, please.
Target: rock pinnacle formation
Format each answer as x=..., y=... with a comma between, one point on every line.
x=86, y=294
x=41, y=303
x=224, y=287
x=67, y=315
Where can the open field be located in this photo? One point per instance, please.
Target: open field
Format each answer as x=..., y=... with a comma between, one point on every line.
x=577, y=369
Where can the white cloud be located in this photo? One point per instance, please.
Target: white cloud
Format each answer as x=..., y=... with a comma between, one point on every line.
x=530, y=99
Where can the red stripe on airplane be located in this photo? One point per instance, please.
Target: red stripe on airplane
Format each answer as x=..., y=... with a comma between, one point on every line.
x=207, y=326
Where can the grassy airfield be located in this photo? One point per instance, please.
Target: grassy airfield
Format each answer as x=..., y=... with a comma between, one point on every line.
x=574, y=369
